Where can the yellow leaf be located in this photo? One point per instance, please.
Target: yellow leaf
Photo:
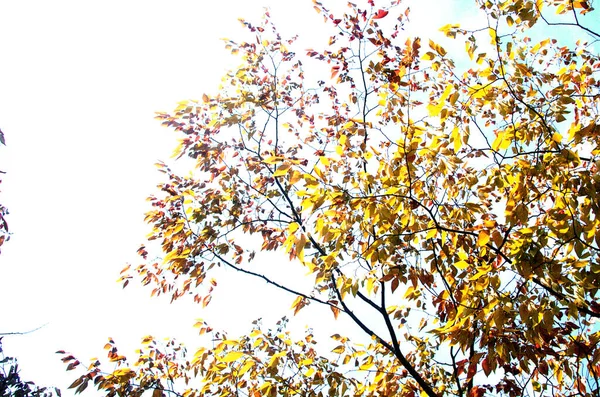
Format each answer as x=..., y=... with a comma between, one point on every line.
x=231, y=356
x=282, y=169
x=556, y=137
x=296, y=301
x=247, y=365
x=478, y=91
x=461, y=265
x=147, y=339
x=456, y=139
x=435, y=109
x=319, y=173
x=490, y=223
x=431, y=234
x=493, y=36
x=273, y=160
x=343, y=139
x=501, y=142
x=265, y=388
x=483, y=238
x=123, y=372
x=295, y=176
x=293, y=227
x=300, y=244
x=450, y=30
x=367, y=364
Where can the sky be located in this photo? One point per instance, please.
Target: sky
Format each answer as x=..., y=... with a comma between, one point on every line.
x=80, y=81
x=79, y=85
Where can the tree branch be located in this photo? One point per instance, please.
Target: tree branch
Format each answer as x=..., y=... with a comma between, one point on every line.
x=591, y=32
x=394, y=349
x=269, y=281
x=23, y=332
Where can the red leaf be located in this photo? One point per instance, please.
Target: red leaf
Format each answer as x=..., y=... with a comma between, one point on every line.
x=395, y=284
x=72, y=365
x=477, y=392
x=472, y=370
x=380, y=14
x=486, y=367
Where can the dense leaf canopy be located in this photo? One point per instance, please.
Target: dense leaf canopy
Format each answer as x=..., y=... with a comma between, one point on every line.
x=453, y=192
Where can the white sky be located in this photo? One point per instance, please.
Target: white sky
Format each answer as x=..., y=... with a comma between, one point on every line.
x=80, y=81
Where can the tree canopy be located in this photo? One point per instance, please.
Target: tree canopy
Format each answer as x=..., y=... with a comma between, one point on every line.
x=452, y=192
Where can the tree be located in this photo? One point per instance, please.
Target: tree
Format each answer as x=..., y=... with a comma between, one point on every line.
x=455, y=194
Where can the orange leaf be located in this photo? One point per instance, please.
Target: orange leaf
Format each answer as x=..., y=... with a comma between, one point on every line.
x=335, y=311
x=380, y=14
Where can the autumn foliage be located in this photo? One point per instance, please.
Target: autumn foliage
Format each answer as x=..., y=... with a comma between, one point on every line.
x=453, y=193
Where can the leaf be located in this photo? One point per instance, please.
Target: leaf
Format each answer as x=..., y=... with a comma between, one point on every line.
x=82, y=387
x=483, y=238
x=273, y=160
x=435, y=109
x=319, y=173
x=335, y=311
x=461, y=265
x=487, y=370
x=295, y=176
x=265, y=388
x=246, y=367
x=298, y=304
x=450, y=30
x=72, y=365
x=231, y=356
x=77, y=382
x=380, y=14
x=282, y=169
